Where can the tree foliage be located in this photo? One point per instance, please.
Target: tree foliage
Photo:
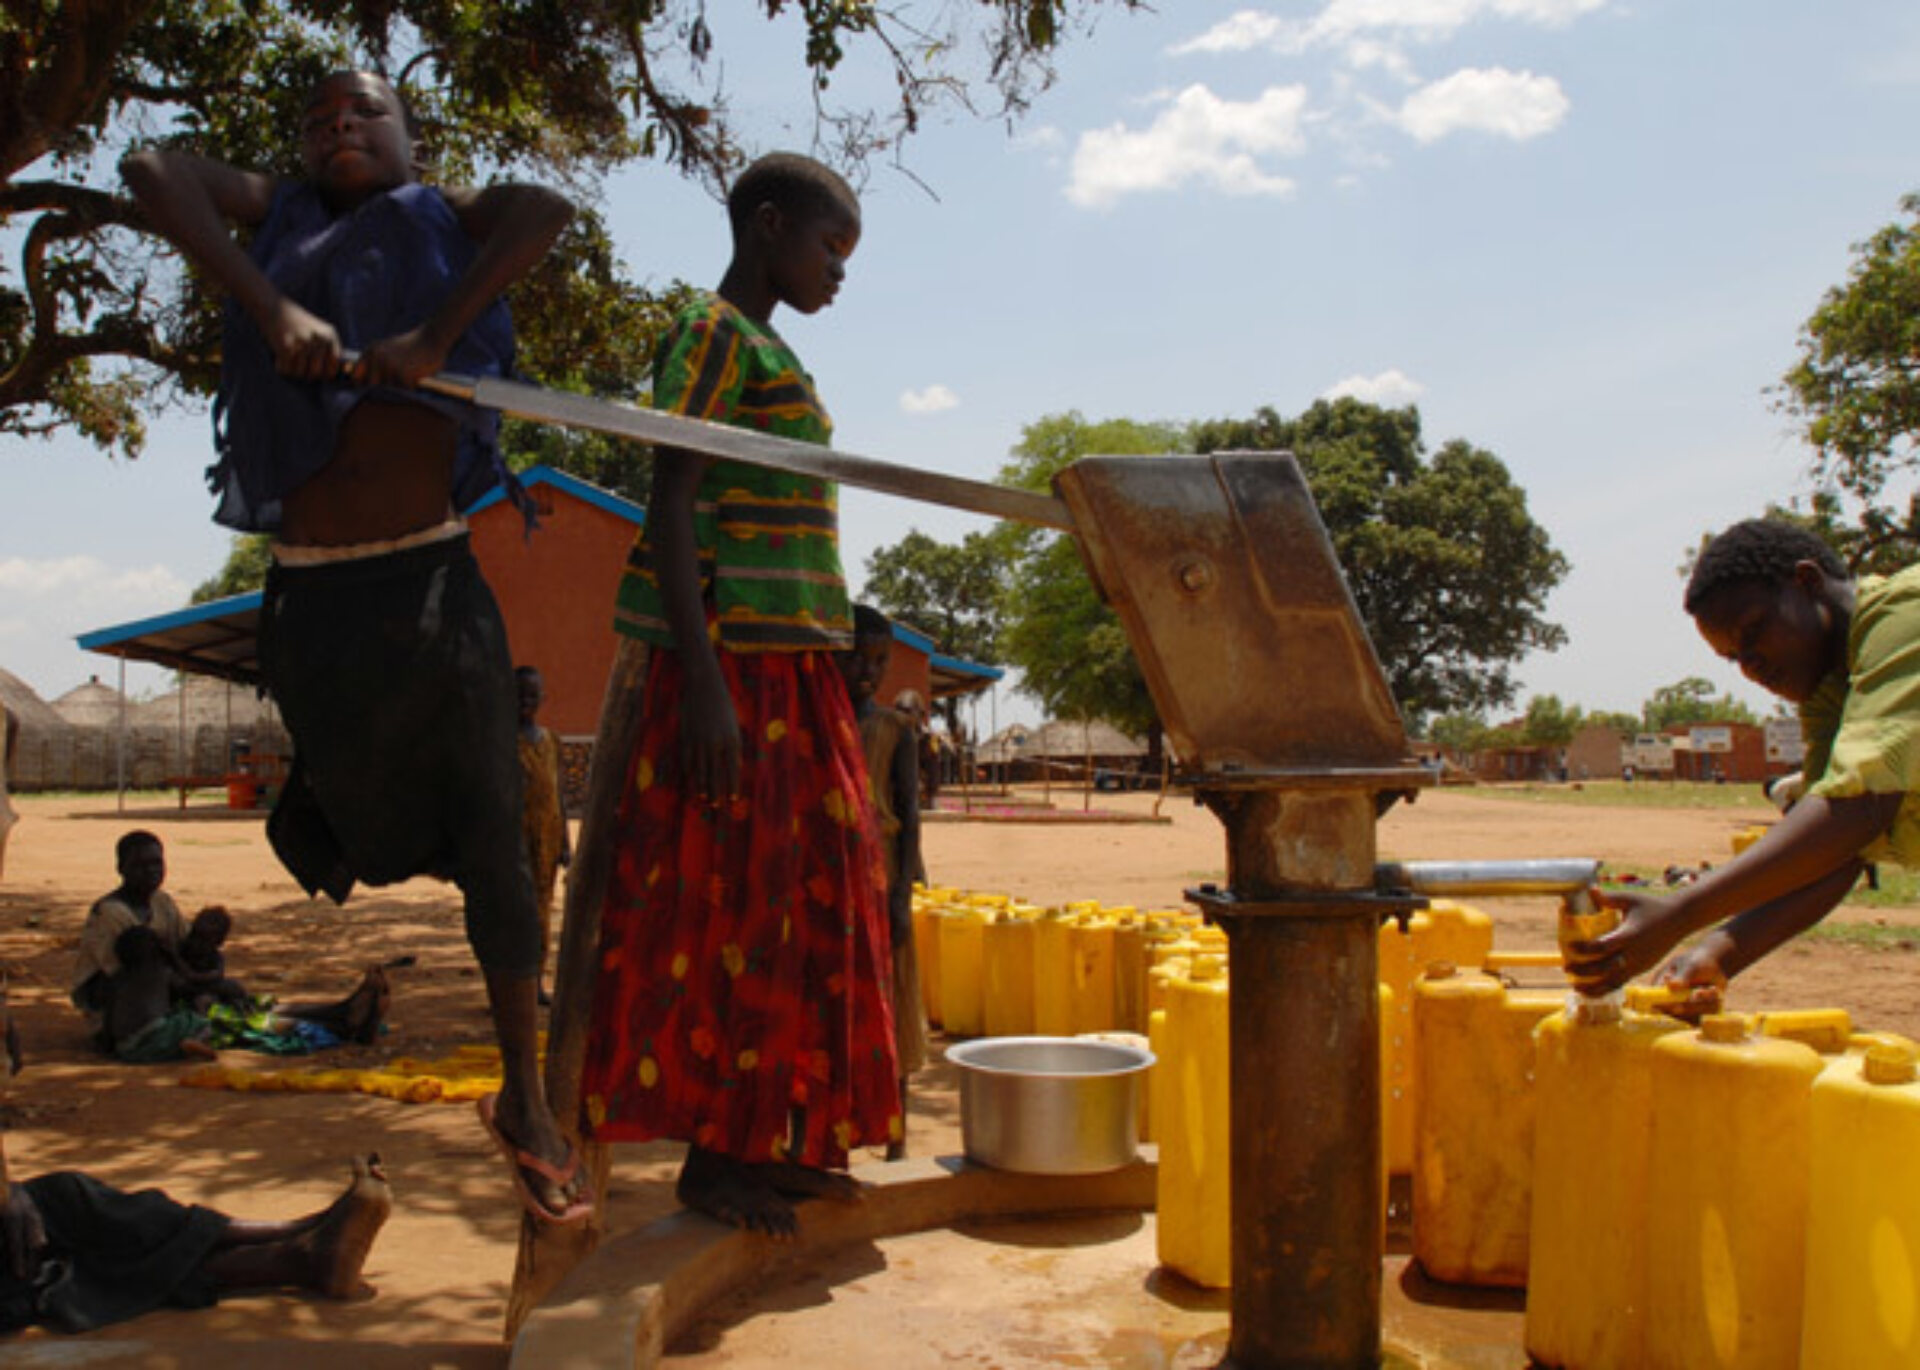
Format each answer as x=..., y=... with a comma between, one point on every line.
x=1855, y=391
x=1691, y=701
x=1071, y=650
x=1549, y=723
x=97, y=331
x=1449, y=570
x=949, y=591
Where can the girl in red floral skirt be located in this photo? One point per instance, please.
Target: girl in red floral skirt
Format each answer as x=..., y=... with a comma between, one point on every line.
x=742, y=1002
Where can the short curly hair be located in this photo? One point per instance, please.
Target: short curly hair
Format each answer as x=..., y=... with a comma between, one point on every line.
x=799, y=185
x=1764, y=550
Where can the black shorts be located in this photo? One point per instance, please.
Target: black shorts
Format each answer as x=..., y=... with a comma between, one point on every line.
x=393, y=675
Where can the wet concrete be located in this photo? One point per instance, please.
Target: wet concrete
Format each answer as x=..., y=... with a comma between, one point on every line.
x=1085, y=1292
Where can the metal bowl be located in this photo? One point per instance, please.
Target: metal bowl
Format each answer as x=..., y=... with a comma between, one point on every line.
x=1049, y=1105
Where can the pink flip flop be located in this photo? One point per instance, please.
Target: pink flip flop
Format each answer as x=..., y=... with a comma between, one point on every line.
x=519, y=1162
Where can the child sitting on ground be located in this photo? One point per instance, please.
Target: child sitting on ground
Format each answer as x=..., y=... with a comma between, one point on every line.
x=203, y=964
x=893, y=771
x=1775, y=600
x=142, y=1021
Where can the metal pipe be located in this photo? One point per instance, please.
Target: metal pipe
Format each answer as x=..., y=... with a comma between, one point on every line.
x=1487, y=878
x=1306, y=1139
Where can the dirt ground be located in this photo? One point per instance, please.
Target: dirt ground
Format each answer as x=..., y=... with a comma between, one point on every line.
x=443, y=1264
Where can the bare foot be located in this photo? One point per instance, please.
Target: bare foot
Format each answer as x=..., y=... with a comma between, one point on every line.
x=806, y=1182
x=366, y=1007
x=340, y=1240
x=193, y=1049
x=735, y=1193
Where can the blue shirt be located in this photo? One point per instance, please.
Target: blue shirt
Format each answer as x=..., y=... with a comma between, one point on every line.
x=378, y=270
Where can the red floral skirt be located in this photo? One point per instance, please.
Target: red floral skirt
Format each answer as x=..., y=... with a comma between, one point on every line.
x=743, y=1000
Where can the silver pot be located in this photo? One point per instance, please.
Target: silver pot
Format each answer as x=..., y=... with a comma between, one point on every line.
x=1050, y=1105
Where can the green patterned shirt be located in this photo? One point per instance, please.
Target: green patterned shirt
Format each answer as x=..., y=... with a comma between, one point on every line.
x=769, y=542
x=1862, y=730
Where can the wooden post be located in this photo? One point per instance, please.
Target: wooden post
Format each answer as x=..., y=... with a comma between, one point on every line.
x=548, y=1252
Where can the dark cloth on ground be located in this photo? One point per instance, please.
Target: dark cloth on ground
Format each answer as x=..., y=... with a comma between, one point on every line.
x=393, y=677
x=110, y=1256
x=162, y=1038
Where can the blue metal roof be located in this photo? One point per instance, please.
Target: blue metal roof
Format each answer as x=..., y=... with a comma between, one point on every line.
x=618, y=505
x=218, y=638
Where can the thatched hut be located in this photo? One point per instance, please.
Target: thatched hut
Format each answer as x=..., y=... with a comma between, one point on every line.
x=44, y=751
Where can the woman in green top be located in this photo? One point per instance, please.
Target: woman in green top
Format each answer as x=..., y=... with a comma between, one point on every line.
x=1775, y=600
x=742, y=1002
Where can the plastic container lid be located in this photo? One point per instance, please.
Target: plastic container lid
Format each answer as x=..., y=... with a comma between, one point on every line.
x=1724, y=1027
x=1889, y=1064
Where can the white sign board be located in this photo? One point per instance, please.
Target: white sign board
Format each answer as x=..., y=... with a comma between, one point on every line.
x=1710, y=738
x=1785, y=747
x=1650, y=752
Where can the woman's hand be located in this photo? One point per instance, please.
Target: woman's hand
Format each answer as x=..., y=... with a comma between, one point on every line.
x=1646, y=933
x=1699, y=968
x=709, y=744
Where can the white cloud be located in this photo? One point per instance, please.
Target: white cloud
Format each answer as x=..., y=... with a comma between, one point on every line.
x=51, y=602
x=1197, y=137
x=1241, y=31
x=1041, y=136
x=73, y=580
x=1516, y=105
x=928, y=400
x=1369, y=32
x=1391, y=388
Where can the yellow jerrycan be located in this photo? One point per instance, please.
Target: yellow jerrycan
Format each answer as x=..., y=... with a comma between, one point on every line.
x=1445, y=931
x=1006, y=972
x=1194, y=1194
x=1151, y=1104
x=1473, y=1124
x=1862, y=1291
x=962, y=935
x=926, y=945
x=1587, y=1225
x=1090, y=971
x=1053, y=973
x=1727, y=1202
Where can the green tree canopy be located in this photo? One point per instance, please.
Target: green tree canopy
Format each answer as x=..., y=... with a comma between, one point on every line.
x=1549, y=723
x=1691, y=701
x=949, y=591
x=1458, y=733
x=1071, y=650
x=97, y=331
x=1855, y=391
x=1450, y=572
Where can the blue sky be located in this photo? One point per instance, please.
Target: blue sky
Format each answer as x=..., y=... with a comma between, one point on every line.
x=1579, y=233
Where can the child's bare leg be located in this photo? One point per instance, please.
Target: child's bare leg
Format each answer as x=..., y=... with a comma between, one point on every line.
x=521, y=1112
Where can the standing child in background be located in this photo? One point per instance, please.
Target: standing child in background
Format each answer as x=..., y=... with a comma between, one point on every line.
x=1776, y=601
x=893, y=772
x=742, y=998
x=380, y=641
x=543, y=822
